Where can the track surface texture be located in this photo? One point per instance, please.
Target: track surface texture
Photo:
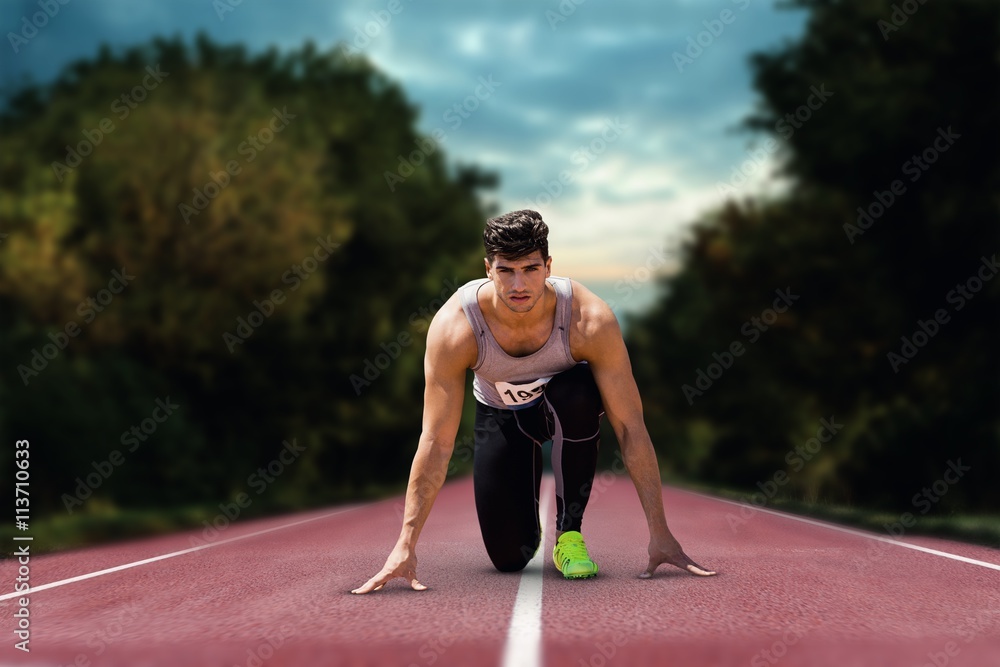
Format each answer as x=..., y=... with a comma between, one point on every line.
x=275, y=592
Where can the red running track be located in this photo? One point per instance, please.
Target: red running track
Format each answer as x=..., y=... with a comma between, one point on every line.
x=788, y=593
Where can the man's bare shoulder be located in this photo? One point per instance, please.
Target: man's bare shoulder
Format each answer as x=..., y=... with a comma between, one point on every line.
x=593, y=323
x=590, y=311
x=450, y=336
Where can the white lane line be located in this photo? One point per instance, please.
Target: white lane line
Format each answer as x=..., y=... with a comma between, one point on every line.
x=524, y=639
x=850, y=531
x=118, y=568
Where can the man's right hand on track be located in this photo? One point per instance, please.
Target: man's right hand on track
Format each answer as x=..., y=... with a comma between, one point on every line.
x=402, y=562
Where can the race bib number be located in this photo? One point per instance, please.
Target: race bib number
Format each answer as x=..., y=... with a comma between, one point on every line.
x=515, y=395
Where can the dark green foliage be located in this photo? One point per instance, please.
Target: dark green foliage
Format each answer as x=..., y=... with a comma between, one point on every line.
x=320, y=180
x=828, y=354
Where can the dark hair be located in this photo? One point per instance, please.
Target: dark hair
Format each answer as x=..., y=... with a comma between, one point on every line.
x=515, y=235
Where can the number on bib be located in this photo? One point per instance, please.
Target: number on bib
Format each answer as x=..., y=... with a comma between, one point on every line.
x=515, y=395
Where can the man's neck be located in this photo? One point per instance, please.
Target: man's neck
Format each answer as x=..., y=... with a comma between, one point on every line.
x=543, y=311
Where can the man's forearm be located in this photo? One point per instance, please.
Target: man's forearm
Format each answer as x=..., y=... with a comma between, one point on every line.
x=640, y=461
x=427, y=475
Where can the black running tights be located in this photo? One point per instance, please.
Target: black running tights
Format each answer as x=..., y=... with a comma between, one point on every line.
x=507, y=468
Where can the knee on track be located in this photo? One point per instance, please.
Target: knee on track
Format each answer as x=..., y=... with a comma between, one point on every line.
x=510, y=566
x=515, y=561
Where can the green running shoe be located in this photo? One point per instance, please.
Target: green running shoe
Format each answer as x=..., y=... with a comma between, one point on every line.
x=571, y=557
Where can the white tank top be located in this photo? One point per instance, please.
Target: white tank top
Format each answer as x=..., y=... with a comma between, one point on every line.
x=510, y=383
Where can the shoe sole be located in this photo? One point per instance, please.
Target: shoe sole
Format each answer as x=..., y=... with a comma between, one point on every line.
x=589, y=575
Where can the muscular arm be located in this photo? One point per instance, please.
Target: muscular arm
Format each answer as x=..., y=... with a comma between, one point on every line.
x=444, y=393
x=445, y=365
x=598, y=340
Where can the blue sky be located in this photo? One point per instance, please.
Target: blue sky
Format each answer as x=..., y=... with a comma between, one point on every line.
x=592, y=91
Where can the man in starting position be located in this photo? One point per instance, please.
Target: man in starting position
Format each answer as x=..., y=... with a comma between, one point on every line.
x=549, y=362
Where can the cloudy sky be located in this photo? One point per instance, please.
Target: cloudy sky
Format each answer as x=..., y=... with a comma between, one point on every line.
x=604, y=104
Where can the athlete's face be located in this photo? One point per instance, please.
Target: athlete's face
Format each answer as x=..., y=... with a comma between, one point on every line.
x=519, y=283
